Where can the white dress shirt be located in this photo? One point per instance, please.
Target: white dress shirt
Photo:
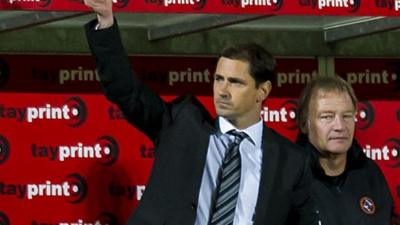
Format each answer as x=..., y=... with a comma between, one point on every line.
x=251, y=154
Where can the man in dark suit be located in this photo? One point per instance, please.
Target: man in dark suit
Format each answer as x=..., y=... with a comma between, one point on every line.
x=229, y=170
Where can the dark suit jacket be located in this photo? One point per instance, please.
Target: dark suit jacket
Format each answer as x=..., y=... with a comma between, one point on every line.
x=180, y=131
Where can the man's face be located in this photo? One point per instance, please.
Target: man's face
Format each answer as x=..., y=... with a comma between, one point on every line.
x=331, y=122
x=236, y=96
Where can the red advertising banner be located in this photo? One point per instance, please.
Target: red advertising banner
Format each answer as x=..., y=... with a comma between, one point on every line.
x=76, y=152
x=371, y=78
x=172, y=76
x=73, y=157
x=271, y=7
x=64, y=146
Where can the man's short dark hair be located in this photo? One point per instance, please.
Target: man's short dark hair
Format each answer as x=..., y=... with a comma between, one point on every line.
x=262, y=64
x=325, y=84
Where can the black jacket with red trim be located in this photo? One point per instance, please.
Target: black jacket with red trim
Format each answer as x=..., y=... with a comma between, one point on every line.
x=359, y=196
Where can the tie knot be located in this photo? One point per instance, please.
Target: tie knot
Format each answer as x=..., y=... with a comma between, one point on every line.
x=239, y=136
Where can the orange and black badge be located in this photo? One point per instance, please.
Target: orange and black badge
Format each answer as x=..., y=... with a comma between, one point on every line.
x=367, y=205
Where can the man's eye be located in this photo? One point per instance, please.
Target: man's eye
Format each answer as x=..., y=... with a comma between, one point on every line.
x=327, y=117
x=236, y=82
x=218, y=79
x=348, y=116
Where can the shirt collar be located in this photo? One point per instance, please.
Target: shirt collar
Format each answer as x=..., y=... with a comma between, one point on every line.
x=254, y=131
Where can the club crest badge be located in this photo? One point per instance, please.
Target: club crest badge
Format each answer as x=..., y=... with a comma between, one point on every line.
x=367, y=205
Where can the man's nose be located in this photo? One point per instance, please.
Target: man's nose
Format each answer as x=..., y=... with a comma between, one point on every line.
x=339, y=123
x=224, y=90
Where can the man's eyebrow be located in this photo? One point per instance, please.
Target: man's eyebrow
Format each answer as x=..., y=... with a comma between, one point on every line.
x=236, y=80
x=332, y=111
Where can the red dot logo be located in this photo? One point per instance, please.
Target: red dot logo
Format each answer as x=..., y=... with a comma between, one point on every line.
x=77, y=188
x=365, y=115
x=277, y=5
x=291, y=109
x=354, y=5
x=78, y=111
x=110, y=150
x=393, y=146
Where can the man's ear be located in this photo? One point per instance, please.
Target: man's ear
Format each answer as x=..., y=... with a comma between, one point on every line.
x=263, y=90
x=305, y=127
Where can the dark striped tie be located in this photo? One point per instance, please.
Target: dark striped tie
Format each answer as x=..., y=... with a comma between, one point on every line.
x=228, y=186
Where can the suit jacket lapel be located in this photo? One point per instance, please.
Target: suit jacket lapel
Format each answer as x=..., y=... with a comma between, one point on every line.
x=270, y=163
x=200, y=154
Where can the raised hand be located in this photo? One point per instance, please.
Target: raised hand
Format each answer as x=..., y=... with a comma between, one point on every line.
x=103, y=8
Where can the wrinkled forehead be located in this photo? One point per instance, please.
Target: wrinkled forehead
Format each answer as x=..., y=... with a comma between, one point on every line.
x=319, y=93
x=323, y=94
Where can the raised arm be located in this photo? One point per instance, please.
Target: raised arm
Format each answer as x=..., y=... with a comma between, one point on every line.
x=143, y=108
